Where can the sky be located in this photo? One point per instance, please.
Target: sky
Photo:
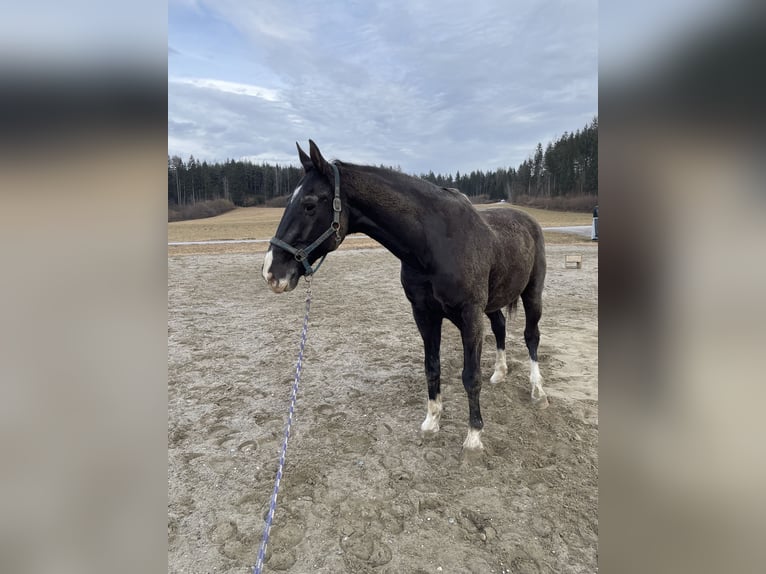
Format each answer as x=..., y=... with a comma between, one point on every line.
x=426, y=86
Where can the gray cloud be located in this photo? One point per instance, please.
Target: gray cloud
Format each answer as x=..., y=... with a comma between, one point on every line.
x=442, y=88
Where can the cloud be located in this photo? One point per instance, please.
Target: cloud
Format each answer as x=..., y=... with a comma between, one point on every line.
x=229, y=87
x=398, y=83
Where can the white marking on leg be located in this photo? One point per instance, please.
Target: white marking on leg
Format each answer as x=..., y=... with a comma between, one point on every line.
x=473, y=440
x=431, y=424
x=501, y=368
x=267, y=265
x=536, y=381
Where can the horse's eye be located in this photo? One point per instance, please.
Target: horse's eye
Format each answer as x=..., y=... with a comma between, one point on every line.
x=309, y=208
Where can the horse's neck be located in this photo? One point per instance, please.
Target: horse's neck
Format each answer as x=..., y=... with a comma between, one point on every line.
x=391, y=216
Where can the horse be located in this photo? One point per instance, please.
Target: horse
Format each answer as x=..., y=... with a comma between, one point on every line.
x=456, y=262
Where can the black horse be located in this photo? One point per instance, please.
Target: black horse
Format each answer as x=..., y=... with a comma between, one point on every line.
x=457, y=263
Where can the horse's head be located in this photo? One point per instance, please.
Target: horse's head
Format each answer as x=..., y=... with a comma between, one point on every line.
x=313, y=224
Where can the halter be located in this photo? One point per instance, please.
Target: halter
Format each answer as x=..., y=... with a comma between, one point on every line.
x=302, y=255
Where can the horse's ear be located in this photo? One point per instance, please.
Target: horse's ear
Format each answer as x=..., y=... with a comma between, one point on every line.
x=318, y=161
x=305, y=160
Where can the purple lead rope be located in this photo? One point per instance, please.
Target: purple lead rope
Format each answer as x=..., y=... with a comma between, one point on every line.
x=273, y=503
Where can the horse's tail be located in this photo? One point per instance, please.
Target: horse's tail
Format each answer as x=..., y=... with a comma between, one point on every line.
x=513, y=309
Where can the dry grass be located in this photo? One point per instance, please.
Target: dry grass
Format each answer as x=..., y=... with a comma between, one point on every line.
x=199, y=210
x=242, y=223
x=545, y=217
x=579, y=203
x=261, y=223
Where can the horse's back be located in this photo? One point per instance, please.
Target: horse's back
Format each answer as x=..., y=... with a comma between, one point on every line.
x=516, y=230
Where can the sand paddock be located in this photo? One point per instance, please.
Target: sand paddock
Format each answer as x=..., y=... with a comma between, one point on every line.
x=363, y=490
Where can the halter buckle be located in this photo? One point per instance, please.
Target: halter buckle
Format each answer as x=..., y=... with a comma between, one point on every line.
x=300, y=255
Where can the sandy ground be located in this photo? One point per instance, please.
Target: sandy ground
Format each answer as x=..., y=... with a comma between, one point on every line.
x=363, y=490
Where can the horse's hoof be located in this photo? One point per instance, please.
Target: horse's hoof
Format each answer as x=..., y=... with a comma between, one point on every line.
x=541, y=402
x=473, y=440
x=497, y=377
x=429, y=428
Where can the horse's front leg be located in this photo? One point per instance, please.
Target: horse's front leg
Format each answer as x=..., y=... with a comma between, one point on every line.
x=471, y=331
x=430, y=327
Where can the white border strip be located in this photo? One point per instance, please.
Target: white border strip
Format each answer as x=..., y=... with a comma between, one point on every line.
x=227, y=241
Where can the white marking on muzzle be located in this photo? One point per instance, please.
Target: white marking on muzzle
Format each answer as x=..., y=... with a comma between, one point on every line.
x=473, y=440
x=277, y=285
x=431, y=424
x=267, y=261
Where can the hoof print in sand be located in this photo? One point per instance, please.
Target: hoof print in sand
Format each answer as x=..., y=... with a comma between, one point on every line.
x=366, y=547
x=247, y=446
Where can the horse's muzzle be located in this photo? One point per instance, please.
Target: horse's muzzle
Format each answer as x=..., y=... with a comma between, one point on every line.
x=280, y=286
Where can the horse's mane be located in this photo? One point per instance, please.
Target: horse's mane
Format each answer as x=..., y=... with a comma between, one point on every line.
x=407, y=183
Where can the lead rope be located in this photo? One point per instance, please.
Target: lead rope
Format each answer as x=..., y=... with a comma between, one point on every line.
x=273, y=504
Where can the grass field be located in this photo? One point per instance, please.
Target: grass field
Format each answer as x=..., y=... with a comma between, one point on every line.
x=261, y=223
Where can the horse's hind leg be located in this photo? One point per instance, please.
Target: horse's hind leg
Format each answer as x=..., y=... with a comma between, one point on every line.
x=533, y=307
x=497, y=320
x=430, y=327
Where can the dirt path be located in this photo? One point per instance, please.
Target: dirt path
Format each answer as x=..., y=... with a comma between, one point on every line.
x=363, y=490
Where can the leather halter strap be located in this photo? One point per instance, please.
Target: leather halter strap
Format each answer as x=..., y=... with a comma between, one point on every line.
x=302, y=255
